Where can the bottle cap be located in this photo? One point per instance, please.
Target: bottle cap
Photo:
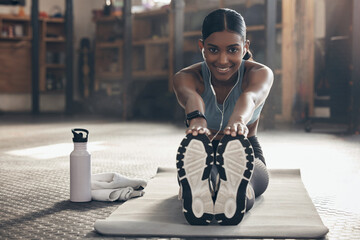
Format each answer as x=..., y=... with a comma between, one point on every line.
x=79, y=137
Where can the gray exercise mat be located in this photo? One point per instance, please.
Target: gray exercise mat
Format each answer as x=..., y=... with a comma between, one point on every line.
x=284, y=211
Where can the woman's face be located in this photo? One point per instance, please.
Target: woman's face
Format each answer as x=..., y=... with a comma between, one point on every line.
x=223, y=53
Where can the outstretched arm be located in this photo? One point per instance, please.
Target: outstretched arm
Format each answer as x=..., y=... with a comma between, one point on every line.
x=188, y=98
x=254, y=94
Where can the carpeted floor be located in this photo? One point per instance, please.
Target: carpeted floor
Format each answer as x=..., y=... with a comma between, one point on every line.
x=34, y=171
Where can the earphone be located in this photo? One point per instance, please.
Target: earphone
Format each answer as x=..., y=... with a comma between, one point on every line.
x=216, y=104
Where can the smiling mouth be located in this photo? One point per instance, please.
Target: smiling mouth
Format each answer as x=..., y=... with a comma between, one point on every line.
x=222, y=69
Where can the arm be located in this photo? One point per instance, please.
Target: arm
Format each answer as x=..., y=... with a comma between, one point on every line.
x=254, y=94
x=189, y=99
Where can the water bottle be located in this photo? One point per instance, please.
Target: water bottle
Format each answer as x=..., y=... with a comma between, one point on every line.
x=80, y=168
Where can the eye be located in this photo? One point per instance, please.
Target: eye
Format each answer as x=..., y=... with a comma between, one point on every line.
x=213, y=50
x=233, y=50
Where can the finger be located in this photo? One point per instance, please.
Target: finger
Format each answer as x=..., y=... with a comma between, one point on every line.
x=201, y=131
x=227, y=130
x=246, y=132
x=234, y=129
x=207, y=131
x=190, y=130
x=195, y=130
x=243, y=130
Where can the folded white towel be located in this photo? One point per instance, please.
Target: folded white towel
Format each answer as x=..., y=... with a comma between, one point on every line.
x=115, y=180
x=122, y=194
x=114, y=186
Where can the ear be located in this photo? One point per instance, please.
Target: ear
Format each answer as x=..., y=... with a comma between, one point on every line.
x=201, y=46
x=246, y=47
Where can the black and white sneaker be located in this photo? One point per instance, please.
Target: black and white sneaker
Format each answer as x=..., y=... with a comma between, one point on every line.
x=235, y=163
x=195, y=159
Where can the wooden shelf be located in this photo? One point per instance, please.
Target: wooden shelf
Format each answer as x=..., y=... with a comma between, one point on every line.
x=152, y=41
x=248, y=29
x=16, y=38
x=202, y=7
x=151, y=74
x=192, y=34
x=52, y=50
x=53, y=20
x=152, y=13
x=107, y=19
x=14, y=18
x=15, y=54
x=151, y=53
x=109, y=75
x=136, y=74
x=115, y=44
x=55, y=40
x=260, y=27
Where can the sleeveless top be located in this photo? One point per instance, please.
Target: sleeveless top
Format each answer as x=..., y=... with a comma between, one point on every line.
x=212, y=112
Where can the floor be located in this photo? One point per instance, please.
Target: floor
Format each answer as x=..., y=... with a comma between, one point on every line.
x=34, y=171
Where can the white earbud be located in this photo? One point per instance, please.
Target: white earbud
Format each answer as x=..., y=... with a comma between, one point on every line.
x=203, y=53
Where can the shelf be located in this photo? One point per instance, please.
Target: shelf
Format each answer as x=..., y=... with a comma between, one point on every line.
x=201, y=7
x=55, y=40
x=53, y=20
x=55, y=66
x=248, y=29
x=192, y=34
x=152, y=41
x=152, y=13
x=109, y=75
x=151, y=74
x=14, y=18
x=16, y=38
x=106, y=19
x=116, y=44
x=136, y=74
x=260, y=27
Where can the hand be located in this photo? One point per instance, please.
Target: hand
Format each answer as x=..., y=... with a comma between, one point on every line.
x=195, y=130
x=239, y=128
x=198, y=126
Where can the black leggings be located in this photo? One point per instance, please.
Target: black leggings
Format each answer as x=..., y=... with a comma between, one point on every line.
x=260, y=177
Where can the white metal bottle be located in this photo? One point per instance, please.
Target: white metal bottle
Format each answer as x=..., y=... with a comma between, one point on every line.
x=80, y=168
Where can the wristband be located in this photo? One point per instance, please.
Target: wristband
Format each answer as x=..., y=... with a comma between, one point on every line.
x=192, y=115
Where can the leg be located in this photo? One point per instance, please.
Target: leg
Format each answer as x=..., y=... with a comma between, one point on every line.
x=260, y=177
x=258, y=183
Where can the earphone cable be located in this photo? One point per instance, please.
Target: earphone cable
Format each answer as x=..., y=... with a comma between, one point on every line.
x=223, y=105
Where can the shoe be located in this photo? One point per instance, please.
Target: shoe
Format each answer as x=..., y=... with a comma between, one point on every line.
x=195, y=159
x=235, y=162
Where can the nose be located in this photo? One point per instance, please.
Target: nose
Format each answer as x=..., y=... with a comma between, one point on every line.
x=223, y=58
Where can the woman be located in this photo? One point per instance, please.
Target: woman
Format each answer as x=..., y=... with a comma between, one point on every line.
x=221, y=168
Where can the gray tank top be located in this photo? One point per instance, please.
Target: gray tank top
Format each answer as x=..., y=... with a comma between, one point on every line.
x=212, y=113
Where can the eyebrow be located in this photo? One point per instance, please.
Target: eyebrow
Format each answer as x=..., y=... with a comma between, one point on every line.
x=232, y=45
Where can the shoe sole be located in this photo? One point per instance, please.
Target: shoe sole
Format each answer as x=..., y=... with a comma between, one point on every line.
x=235, y=162
x=194, y=161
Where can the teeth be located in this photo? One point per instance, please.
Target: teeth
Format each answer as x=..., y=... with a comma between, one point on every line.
x=223, y=69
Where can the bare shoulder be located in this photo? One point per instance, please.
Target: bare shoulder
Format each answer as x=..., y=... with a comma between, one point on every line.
x=190, y=76
x=193, y=71
x=257, y=73
x=255, y=68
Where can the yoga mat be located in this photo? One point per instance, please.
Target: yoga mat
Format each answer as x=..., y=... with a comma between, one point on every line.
x=285, y=210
